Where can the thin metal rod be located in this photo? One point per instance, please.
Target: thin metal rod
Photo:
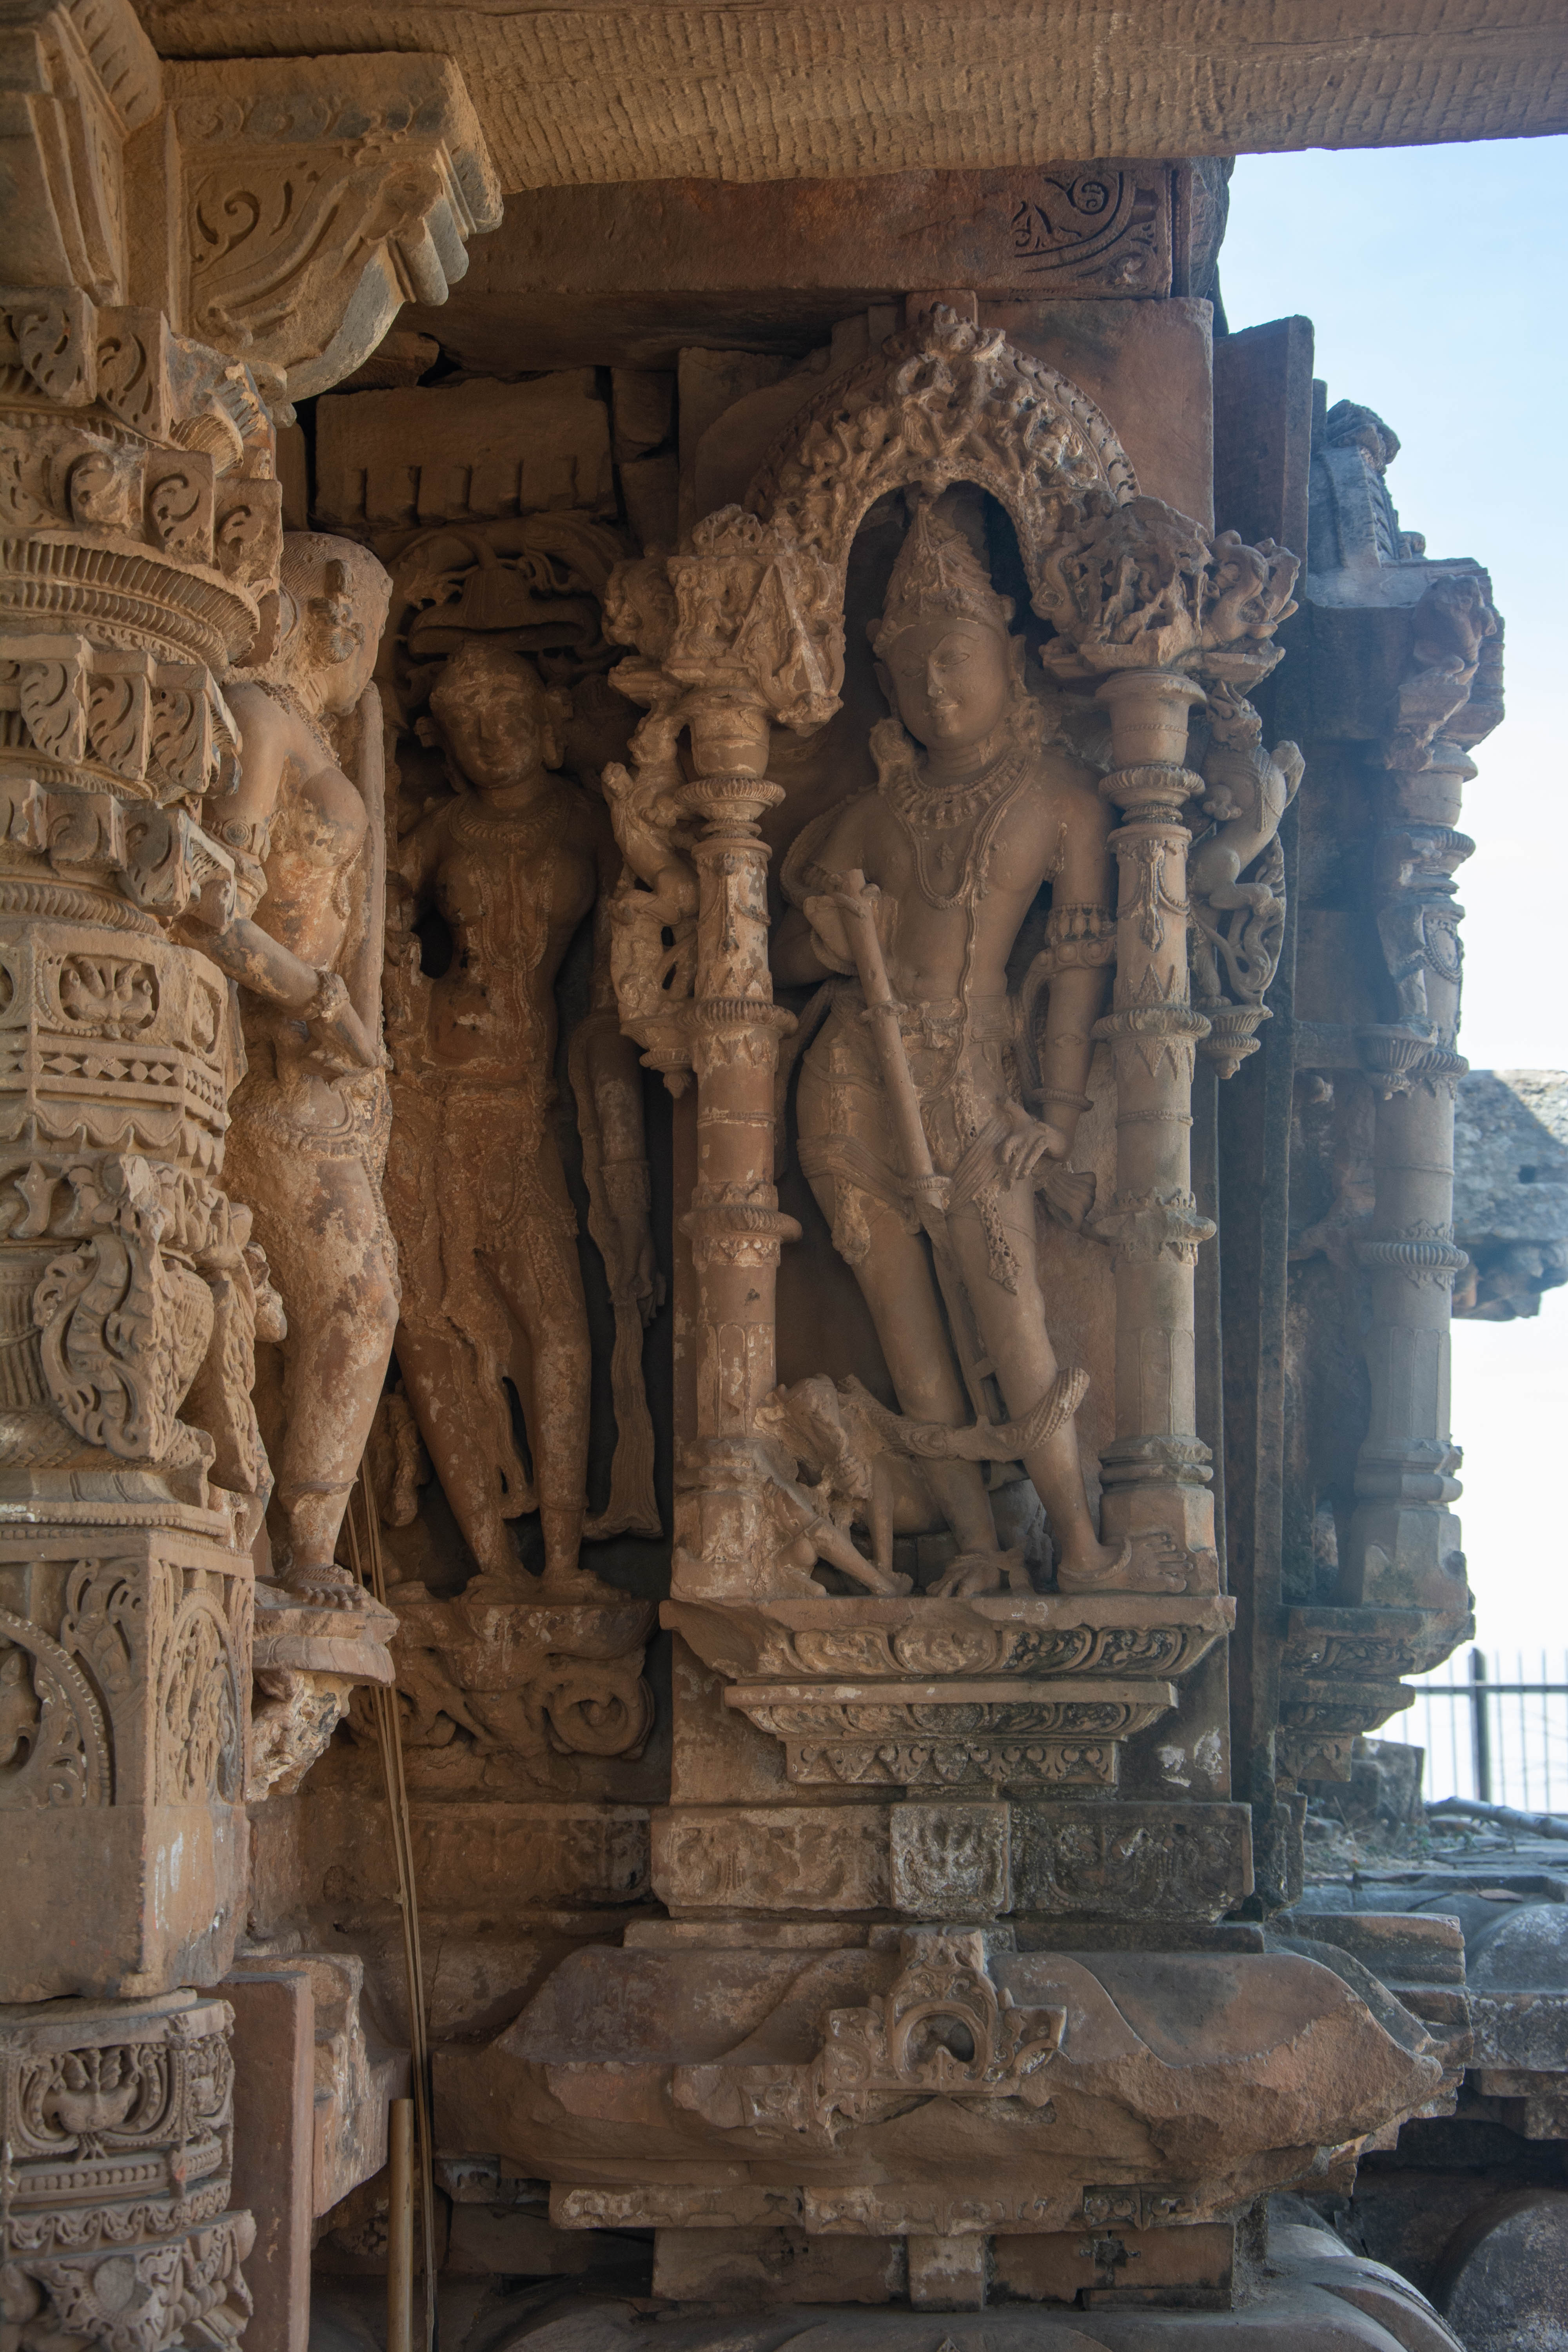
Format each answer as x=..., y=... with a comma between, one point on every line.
x=1494, y=1690
x=369, y=1568
x=1506, y=1816
x=1480, y=1727
x=400, y=2229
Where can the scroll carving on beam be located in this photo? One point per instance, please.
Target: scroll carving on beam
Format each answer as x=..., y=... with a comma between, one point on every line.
x=938, y=1093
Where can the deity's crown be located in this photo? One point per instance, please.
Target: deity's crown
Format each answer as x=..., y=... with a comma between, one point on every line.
x=937, y=571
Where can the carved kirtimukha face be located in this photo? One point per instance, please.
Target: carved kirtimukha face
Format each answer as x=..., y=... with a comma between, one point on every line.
x=952, y=681
x=499, y=722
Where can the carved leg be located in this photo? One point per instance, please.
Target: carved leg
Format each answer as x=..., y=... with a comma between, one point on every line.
x=1013, y=1325
x=321, y=1226
x=457, y=1424
x=542, y=1284
x=897, y=1284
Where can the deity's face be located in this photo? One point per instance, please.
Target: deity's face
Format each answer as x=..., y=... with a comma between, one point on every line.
x=497, y=725
x=952, y=681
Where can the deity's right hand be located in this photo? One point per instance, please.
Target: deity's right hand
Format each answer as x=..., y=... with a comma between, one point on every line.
x=830, y=920
x=340, y=1044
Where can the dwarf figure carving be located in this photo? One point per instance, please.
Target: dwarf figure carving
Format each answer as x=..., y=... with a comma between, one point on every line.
x=927, y=1101
x=493, y=1293
x=308, y=1139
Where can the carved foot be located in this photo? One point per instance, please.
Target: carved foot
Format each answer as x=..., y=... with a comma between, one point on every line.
x=1155, y=1565
x=324, y=1585
x=509, y=1585
x=973, y=1572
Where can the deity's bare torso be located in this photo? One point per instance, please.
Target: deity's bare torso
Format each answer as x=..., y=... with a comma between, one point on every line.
x=513, y=886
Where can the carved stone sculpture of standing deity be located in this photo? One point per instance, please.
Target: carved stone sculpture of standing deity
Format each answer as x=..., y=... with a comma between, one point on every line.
x=913, y=1111
x=305, y=1150
x=476, y=1186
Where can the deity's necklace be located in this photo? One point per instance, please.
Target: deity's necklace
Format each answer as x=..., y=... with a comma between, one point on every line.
x=523, y=834
x=518, y=831
x=926, y=812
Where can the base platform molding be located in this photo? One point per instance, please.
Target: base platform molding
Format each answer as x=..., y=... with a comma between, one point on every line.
x=116, y=2228
x=1310, y=2293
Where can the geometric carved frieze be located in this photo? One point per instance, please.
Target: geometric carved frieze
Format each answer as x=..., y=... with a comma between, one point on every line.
x=921, y=1735
x=110, y=1041
x=928, y=1859
x=118, y=2124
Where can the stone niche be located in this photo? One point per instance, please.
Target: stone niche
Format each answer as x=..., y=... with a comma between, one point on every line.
x=866, y=1790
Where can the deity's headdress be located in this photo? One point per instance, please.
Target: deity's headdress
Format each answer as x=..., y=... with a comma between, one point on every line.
x=937, y=571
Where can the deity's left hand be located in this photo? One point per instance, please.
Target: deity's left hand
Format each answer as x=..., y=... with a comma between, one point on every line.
x=1026, y=1142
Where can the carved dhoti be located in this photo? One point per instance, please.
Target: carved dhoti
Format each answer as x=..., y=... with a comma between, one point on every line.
x=474, y=1171
x=966, y=1074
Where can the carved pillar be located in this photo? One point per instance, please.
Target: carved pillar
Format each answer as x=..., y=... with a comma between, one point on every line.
x=746, y=630
x=1144, y=597
x=138, y=564
x=1156, y=1470
x=1405, y=1548
x=735, y=1221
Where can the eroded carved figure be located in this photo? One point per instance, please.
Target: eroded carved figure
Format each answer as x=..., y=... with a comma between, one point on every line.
x=940, y=1113
x=514, y=863
x=308, y=1140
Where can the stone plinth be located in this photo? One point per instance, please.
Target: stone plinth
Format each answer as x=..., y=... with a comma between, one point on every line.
x=132, y=1707
x=118, y=2122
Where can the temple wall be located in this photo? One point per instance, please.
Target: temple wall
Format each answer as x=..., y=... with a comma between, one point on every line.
x=734, y=983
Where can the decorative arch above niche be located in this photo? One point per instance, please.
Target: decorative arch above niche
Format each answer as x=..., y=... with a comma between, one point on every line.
x=945, y=402
x=752, y=611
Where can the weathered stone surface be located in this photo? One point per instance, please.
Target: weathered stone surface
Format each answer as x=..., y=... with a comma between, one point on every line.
x=273, y=2044
x=691, y=263
x=388, y=460
x=1507, y=2277
x=776, y=2060
x=565, y=98
x=1511, y=1190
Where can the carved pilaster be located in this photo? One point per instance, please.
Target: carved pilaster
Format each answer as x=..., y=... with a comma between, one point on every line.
x=1156, y=1470
x=140, y=546
x=118, y=2126
x=1143, y=598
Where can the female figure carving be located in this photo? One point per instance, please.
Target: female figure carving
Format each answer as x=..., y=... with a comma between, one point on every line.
x=973, y=812
x=308, y=1140
x=476, y=1187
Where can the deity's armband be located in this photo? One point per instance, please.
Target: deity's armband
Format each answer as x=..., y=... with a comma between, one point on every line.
x=1076, y=937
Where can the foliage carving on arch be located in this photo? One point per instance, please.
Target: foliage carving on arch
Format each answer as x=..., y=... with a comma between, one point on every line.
x=946, y=401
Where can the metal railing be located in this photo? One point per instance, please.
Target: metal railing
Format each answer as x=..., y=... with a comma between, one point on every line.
x=1492, y=1729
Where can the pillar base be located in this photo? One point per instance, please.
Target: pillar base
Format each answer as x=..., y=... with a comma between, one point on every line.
x=1307, y=2294
x=118, y=2120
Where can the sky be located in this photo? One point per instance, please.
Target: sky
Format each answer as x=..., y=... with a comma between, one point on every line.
x=1437, y=280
